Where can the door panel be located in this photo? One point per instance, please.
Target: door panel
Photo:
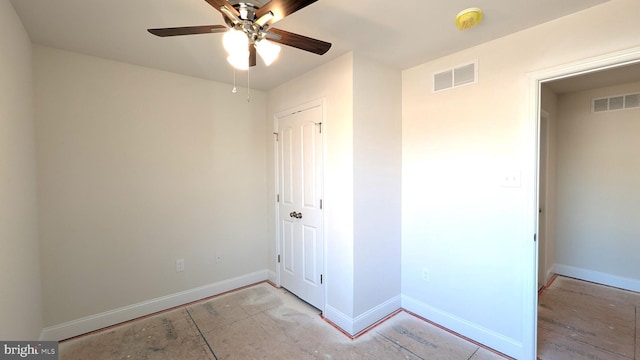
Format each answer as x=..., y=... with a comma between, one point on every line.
x=288, y=246
x=308, y=164
x=299, y=211
x=310, y=255
x=287, y=163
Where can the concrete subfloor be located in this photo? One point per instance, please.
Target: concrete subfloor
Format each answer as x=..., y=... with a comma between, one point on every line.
x=264, y=322
x=582, y=320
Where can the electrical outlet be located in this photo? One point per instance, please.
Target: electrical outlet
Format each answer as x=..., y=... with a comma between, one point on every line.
x=426, y=274
x=218, y=258
x=179, y=265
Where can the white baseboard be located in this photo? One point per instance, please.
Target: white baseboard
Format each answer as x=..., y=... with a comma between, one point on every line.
x=353, y=326
x=338, y=318
x=372, y=316
x=475, y=332
x=548, y=275
x=272, y=277
x=598, y=277
x=116, y=316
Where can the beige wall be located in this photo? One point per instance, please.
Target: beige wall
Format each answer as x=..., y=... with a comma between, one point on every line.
x=473, y=235
x=20, y=299
x=598, y=174
x=139, y=167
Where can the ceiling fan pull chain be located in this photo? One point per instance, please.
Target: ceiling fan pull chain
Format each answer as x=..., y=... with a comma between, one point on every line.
x=234, y=90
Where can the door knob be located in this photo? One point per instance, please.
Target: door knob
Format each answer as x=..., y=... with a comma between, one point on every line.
x=296, y=215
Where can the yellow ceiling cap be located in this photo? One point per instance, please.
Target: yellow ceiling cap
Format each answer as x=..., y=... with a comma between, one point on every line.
x=468, y=18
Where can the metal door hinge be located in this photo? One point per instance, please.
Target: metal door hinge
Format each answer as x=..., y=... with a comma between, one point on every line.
x=320, y=278
x=277, y=136
x=320, y=204
x=278, y=198
x=534, y=237
x=278, y=258
x=319, y=126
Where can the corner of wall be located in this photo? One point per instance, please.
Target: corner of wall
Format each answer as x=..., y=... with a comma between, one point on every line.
x=21, y=305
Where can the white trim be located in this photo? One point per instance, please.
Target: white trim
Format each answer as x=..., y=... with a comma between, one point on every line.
x=276, y=210
x=548, y=275
x=126, y=313
x=487, y=337
x=273, y=277
x=603, y=62
x=374, y=315
x=339, y=319
x=598, y=277
x=354, y=326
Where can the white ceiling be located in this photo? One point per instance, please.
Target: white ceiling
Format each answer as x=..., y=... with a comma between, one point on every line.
x=400, y=34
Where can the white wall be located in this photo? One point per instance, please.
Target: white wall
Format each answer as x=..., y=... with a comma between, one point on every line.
x=139, y=167
x=377, y=171
x=472, y=235
x=20, y=298
x=598, y=174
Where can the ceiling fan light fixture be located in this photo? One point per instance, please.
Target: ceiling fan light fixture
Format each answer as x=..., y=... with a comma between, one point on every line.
x=235, y=41
x=239, y=60
x=468, y=18
x=268, y=51
x=264, y=19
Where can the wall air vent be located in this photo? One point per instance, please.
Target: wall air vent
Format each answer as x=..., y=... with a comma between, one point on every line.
x=462, y=75
x=617, y=102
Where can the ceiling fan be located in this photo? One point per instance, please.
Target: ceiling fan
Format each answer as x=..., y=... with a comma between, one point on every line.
x=249, y=30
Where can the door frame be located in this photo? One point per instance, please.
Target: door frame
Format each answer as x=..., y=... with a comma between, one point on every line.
x=536, y=79
x=292, y=110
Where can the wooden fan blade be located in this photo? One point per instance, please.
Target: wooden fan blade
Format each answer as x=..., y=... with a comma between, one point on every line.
x=217, y=4
x=252, y=55
x=298, y=41
x=188, y=30
x=281, y=9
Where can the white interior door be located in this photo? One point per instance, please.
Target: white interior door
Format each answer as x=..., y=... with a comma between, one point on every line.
x=542, y=199
x=300, y=215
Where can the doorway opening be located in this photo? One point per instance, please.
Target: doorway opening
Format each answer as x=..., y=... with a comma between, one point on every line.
x=602, y=72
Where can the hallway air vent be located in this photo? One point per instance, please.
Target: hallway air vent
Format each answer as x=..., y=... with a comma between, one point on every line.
x=618, y=102
x=458, y=76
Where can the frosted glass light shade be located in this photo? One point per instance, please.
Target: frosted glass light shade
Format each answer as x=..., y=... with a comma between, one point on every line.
x=268, y=51
x=239, y=60
x=235, y=41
